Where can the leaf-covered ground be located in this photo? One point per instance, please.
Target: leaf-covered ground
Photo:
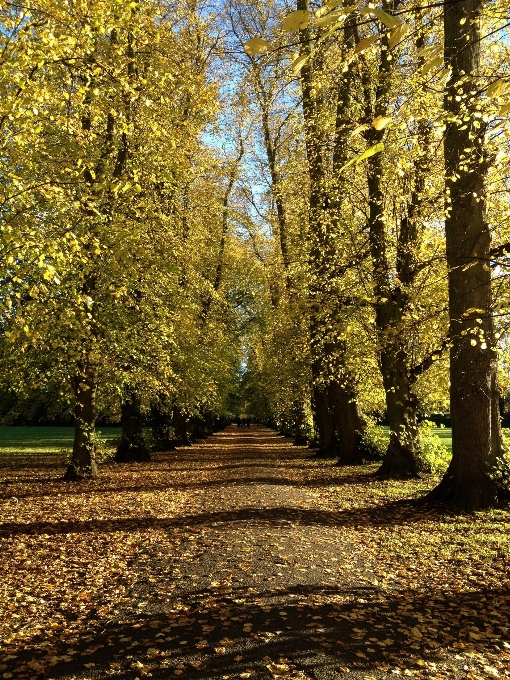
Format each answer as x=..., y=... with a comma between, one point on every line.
x=241, y=557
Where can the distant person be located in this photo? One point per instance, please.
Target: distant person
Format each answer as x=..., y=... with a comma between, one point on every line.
x=239, y=422
x=248, y=421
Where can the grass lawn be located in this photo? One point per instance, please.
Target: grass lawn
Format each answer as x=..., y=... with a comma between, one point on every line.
x=41, y=440
x=26, y=440
x=444, y=434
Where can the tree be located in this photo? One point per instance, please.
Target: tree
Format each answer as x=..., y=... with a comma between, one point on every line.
x=468, y=483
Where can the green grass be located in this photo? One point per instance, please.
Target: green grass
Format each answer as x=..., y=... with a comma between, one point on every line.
x=444, y=434
x=26, y=440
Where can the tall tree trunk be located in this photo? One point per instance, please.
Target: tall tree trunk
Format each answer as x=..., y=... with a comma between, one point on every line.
x=132, y=445
x=467, y=484
x=160, y=425
x=323, y=417
x=401, y=406
x=180, y=423
x=391, y=300
x=323, y=219
x=83, y=459
x=349, y=424
x=299, y=423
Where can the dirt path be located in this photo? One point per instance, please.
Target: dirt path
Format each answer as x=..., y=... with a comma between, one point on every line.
x=260, y=578
x=224, y=560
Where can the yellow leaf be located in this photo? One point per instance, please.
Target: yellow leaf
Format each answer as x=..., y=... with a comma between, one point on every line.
x=357, y=130
x=496, y=89
x=327, y=8
x=505, y=108
x=366, y=154
x=298, y=63
x=256, y=45
x=416, y=633
x=397, y=34
x=363, y=44
x=296, y=21
x=322, y=20
x=330, y=19
x=380, y=122
x=429, y=52
x=435, y=62
x=385, y=18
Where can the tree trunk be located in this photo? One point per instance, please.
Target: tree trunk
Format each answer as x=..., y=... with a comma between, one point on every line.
x=400, y=459
x=299, y=423
x=349, y=424
x=83, y=459
x=182, y=437
x=160, y=427
x=324, y=422
x=391, y=301
x=467, y=484
x=132, y=445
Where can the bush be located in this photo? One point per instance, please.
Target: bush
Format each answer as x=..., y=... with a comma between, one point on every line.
x=375, y=441
x=500, y=473
x=434, y=457
x=105, y=451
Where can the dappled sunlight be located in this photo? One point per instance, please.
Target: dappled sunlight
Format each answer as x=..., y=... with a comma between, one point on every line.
x=290, y=566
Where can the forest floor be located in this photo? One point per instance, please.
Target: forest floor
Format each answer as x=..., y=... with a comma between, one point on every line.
x=242, y=557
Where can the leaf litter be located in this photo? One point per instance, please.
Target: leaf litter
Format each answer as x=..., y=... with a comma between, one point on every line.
x=243, y=557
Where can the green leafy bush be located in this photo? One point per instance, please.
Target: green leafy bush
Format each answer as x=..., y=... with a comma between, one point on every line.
x=501, y=471
x=375, y=441
x=105, y=450
x=434, y=456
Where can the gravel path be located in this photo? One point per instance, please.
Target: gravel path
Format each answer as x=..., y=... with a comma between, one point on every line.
x=236, y=567
x=262, y=584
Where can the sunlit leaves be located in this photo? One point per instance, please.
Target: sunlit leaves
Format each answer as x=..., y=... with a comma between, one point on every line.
x=398, y=34
x=298, y=63
x=432, y=64
x=365, y=43
x=256, y=46
x=385, y=18
x=381, y=122
x=376, y=148
x=496, y=89
x=296, y=21
x=328, y=7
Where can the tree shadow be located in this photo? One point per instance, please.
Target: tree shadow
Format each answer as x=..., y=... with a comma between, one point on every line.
x=85, y=487
x=389, y=514
x=210, y=632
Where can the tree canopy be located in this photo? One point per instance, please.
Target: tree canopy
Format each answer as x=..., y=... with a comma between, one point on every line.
x=292, y=212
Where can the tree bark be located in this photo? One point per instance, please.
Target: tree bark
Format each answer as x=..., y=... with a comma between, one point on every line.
x=467, y=484
x=323, y=419
x=132, y=445
x=401, y=456
x=349, y=424
x=83, y=459
x=391, y=292
x=160, y=426
x=180, y=422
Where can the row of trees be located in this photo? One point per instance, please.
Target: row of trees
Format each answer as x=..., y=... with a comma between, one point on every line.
x=314, y=195
x=116, y=262
x=382, y=142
